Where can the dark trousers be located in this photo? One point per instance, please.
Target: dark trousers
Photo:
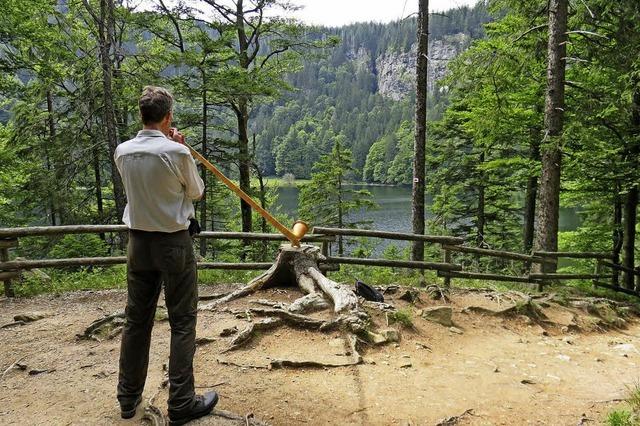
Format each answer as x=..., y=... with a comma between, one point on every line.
x=155, y=259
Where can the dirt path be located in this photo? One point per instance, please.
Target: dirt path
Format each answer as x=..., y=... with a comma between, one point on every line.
x=507, y=371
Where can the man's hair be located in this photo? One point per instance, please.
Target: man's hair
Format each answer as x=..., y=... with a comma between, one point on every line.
x=155, y=103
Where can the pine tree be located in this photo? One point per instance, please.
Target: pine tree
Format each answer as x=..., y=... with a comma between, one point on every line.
x=325, y=200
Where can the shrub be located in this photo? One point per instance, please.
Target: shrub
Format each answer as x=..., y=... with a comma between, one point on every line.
x=82, y=245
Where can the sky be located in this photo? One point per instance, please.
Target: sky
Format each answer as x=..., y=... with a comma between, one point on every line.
x=336, y=13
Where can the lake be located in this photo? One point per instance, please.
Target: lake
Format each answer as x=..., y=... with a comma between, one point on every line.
x=394, y=214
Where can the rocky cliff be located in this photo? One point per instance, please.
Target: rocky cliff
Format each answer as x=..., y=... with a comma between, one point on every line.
x=395, y=71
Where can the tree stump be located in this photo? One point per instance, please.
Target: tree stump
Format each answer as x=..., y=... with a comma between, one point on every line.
x=298, y=266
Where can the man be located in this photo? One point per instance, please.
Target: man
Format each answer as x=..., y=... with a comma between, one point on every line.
x=161, y=180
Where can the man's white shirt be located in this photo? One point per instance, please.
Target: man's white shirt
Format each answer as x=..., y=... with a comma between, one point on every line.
x=160, y=179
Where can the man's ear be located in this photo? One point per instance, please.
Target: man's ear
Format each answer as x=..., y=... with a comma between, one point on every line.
x=168, y=118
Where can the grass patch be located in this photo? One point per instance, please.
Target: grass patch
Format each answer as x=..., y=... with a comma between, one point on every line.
x=376, y=275
x=627, y=416
x=404, y=317
x=620, y=418
x=216, y=276
x=96, y=278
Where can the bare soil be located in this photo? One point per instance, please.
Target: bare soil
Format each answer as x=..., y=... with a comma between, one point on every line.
x=571, y=368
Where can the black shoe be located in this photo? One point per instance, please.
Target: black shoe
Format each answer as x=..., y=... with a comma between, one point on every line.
x=129, y=410
x=202, y=406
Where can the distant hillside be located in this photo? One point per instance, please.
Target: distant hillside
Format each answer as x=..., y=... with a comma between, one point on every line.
x=363, y=89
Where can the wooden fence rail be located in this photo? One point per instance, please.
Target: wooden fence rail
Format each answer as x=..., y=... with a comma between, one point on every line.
x=448, y=269
x=394, y=263
x=439, y=239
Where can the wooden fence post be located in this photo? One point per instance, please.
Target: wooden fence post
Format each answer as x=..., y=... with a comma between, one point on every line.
x=541, y=283
x=5, y=244
x=598, y=271
x=615, y=280
x=325, y=253
x=447, y=259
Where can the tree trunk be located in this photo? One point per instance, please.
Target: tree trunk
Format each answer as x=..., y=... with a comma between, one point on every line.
x=618, y=234
x=52, y=208
x=630, y=219
x=530, y=197
x=547, y=213
x=418, y=192
x=481, y=210
x=242, y=114
x=203, y=169
x=631, y=202
x=57, y=167
x=339, y=192
x=244, y=164
x=262, y=196
x=106, y=30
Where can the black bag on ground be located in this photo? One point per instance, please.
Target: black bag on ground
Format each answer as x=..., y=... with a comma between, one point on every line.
x=368, y=293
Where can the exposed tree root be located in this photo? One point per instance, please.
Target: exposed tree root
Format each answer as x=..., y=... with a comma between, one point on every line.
x=239, y=365
x=17, y=365
x=246, y=420
x=248, y=333
x=285, y=363
x=354, y=359
x=451, y=421
x=297, y=266
x=104, y=328
x=438, y=293
x=309, y=303
x=12, y=324
x=277, y=317
x=212, y=296
x=154, y=416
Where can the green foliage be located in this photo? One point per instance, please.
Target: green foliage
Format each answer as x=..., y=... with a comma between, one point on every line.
x=82, y=245
x=114, y=277
x=627, y=417
x=620, y=418
x=404, y=317
x=325, y=200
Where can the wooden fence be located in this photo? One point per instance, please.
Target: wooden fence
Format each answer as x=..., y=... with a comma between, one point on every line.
x=447, y=269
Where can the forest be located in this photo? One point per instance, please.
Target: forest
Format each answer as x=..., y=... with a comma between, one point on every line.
x=276, y=97
x=472, y=130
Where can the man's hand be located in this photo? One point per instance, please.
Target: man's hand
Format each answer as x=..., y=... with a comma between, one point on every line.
x=176, y=136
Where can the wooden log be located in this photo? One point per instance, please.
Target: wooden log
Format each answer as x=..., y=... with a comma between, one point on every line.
x=494, y=253
x=395, y=263
x=8, y=243
x=614, y=288
x=311, y=238
x=59, y=230
x=483, y=276
x=103, y=261
x=326, y=267
x=60, y=263
x=234, y=266
x=574, y=255
x=620, y=267
x=544, y=276
x=440, y=239
x=13, y=233
x=9, y=275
